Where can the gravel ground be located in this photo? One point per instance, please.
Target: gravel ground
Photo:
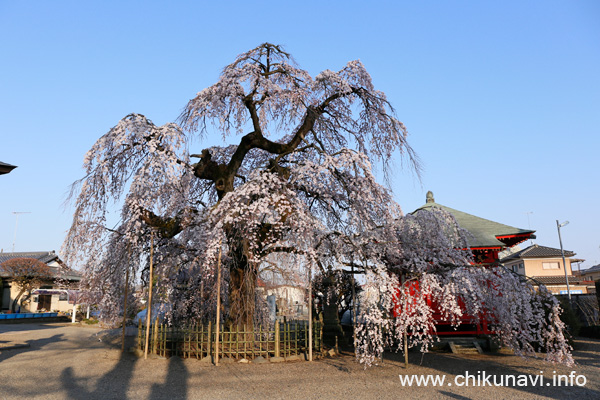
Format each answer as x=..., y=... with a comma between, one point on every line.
x=81, y=362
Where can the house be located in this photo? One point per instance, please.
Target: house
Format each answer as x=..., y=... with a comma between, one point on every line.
x=6, y=168
x=487, y=238
x=591, y=274
x=545, y=266
x=50, y=301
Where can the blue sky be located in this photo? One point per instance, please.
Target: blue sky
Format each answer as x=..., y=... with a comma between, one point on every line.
x=501, y=99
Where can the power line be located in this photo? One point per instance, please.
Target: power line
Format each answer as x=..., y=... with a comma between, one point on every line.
x=17, y=213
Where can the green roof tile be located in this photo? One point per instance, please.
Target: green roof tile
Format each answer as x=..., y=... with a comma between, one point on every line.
x=484, y=232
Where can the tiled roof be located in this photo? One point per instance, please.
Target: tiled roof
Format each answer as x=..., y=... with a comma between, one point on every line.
x=537, y=251
x=560, y=280
x=6, y=168
x=595, y=268
x=45, y=257
x=483, y=231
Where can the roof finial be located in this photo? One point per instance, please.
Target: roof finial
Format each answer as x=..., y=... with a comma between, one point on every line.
x=429, y=198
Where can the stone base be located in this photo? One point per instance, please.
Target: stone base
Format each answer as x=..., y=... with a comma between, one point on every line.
x=259, y=360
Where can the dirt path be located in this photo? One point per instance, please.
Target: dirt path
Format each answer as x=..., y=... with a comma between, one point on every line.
x=70, y=362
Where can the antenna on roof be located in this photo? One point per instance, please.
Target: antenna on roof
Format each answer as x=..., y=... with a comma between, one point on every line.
x=17, y=225
x=529, y=224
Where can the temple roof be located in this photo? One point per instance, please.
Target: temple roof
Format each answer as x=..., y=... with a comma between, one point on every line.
x=484, y=233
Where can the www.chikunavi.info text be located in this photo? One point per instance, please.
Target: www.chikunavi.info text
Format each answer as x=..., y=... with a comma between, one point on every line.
x=482, y=378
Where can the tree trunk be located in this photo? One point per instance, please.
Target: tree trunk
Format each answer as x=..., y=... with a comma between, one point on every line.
x=242, y=283
x=16, y=300
x=242, y=295
x=332, y=328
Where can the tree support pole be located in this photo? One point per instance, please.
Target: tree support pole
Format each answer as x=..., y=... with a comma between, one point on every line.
x=124, y=308
x=310, y=316
x=149, y=308
x=218, y=305
x=354, y=309
x=404, y=335
x=405, y=349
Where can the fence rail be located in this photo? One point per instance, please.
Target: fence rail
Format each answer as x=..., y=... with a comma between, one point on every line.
x=585, y=307
x=235, y=342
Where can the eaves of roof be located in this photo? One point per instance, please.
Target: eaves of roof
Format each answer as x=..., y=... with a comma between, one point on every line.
x=595, y=268
x=560, y=280
x=45, y=257
x=6, y=168
x=537, y=251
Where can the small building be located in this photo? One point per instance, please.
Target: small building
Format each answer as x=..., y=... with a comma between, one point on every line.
x=40, y=302
x=544, y=265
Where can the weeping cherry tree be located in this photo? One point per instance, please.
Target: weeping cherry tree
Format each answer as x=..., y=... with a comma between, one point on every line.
x=292, y=185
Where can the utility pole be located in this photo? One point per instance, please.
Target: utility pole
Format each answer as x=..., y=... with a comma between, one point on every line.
x=558, y=226
x=17, y=213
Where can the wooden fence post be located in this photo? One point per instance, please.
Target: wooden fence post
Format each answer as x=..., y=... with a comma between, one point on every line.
x=277, y=337
x=246, y=337
x=139, y=333
x=155, y=337
x=237, y=341
x=209, y=349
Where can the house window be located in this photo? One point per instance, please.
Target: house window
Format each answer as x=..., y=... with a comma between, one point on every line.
x=44, y=302
x=550, y=265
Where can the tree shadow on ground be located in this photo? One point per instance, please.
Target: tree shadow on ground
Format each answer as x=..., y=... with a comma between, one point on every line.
x=586, y=352
x=175, y=386
x=34, y=344
x=454, y=395
x=116, y=383
x=113, y=385
x=16, y=327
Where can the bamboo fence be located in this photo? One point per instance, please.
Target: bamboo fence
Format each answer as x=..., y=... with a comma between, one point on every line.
x=283, y=339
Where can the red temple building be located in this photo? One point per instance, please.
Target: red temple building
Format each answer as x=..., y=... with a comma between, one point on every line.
x=487, y=238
